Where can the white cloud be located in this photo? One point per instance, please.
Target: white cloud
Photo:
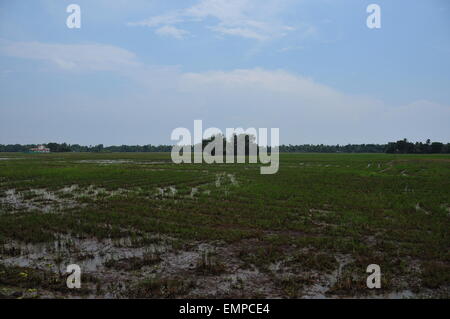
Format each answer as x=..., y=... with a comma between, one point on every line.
x=242, y=32
x=229, y=11
x=172, y=31
x=245, y=18
x=305, y=110
x=171, y=18
x=72, y=56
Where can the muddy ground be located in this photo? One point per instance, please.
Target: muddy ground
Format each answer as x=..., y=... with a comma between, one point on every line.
x=138, y=232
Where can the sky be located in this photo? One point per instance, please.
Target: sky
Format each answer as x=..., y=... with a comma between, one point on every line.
x=136, y=70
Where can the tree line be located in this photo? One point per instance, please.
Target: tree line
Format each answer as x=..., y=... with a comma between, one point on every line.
x=399, y=147
x=64, y=147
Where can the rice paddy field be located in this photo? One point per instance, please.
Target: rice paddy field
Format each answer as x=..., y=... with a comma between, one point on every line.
x=140, y=226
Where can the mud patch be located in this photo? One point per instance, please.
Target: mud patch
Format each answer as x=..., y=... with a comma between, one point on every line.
x=109, y=261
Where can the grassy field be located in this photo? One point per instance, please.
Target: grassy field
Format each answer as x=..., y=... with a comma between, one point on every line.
x=140, y=226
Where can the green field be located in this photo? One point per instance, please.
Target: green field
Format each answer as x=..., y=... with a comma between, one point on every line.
x=141, y=226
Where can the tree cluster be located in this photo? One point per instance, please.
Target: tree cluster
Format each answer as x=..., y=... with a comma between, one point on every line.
x=405, y=147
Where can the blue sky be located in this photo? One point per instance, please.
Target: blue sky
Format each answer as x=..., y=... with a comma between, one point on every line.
x=138, y=69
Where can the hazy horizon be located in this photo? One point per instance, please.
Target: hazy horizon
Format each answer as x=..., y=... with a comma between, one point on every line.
x=174, y=143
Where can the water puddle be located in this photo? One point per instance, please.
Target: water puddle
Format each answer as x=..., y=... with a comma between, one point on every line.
x=446, y=207
x=321, y=211
x=326, y=281
x=122, y=161
x=44, y=200
x=420, y=209
x=90, y=254
x=170, y=191
x=194, y=191
x=105, y=162
x=223, y=179
x=36, y=199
